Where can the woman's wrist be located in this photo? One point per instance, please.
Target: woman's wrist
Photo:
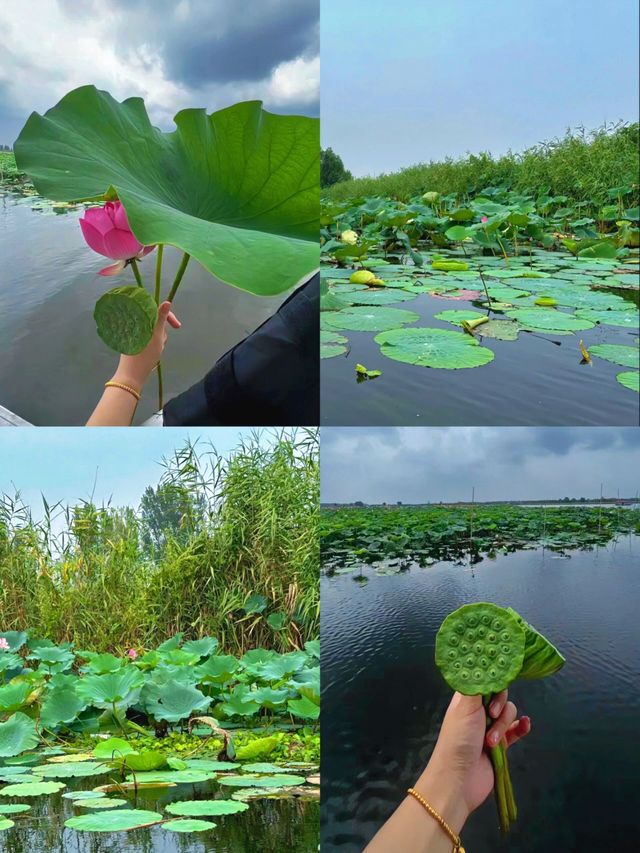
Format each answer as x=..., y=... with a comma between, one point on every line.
x=443, y=792
x=129, y=377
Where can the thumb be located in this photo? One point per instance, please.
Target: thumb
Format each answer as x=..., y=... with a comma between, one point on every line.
x=163, y=313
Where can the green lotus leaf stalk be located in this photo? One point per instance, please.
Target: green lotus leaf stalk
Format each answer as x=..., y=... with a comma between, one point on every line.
x=481, y=649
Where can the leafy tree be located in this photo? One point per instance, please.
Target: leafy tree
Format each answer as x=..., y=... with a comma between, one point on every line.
x=332, y=169
x=171, y=511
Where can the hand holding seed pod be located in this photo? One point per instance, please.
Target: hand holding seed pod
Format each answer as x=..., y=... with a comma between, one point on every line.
x=480, y=650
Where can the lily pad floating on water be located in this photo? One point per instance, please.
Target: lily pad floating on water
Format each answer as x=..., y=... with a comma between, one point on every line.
x=615, y=317
x=376, y=297
x=630, y=379
x=208, y=765
x=119, y=820
x=617, y=353
x=457, y=317
x=192, y=825
x=264, y=767
x=501, y=330
x=549, y=320
x=5, y=823
x=14, y=808
x=375, y=319
x=179, y=777
x=71, y=769
x=83, y=795
x=99, y=802
x=206, y=807
x=433, y=348
x=31, y=789
x=250, y=780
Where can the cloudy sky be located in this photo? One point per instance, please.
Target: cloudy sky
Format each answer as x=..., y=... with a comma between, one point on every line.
x=172, y=53
x=407, y=83
x=415, y=465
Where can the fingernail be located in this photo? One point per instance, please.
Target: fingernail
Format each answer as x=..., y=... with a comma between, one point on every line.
x=494, y=737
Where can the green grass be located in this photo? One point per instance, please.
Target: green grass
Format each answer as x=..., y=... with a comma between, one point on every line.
x=581, y=165
x=213, y=532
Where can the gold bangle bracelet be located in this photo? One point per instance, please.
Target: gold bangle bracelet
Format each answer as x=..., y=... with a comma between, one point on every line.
x=123, y=387
x=455, y=839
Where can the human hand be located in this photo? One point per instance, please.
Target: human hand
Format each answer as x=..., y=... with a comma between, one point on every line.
x=459, y=774
x=134, y=370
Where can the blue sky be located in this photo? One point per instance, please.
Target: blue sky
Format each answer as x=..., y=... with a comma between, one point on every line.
x=422, y=80
x=63, y=463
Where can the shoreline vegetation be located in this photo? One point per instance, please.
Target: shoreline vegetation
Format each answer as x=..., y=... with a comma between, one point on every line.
x=222, y=546
x=583, y=165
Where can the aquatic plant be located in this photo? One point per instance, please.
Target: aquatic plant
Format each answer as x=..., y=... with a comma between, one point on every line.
x=236, y=190
x=481, y=649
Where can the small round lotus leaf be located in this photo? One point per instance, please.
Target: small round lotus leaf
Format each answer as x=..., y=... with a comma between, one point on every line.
x=585, y=298
x=180, y=777
x=125, y=318
x=208, y=764
x=506, y=294
x=71, y=769
x=457, y=317
x=264, y=767
x=192, y=825
x=617, y=353
x=627, y=319
x=630, y=379
x=549, y=319
x=31, y=789
x=374, y=319
x=480, y=649
x=97, y=802
x=5, y=823
x=14, y=808
x=433, y=348
x=501, y=330
x=252, y=781
x=376, y=297
x=83, y=795
x=206, y=807
x=114, y=821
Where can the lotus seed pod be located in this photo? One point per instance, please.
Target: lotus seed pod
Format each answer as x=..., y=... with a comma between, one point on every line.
x=349, y=237
x=125, y=318
x=431, y=196
x=480, y=649
x=361, y=277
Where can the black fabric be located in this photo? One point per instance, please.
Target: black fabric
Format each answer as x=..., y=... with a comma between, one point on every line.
x=271, y=378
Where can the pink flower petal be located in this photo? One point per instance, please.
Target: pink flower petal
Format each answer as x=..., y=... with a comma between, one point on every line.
x=145, y=251
x=99, y=218
x=121, y=244
x=120, y=217
x=93, y=237
x=114, y=269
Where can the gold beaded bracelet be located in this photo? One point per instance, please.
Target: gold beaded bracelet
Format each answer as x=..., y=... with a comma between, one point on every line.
x=123, y=387
x=457, y=845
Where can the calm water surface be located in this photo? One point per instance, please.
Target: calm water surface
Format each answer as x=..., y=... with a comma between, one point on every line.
x=52, y=362
x=290, y=826
x=530, y=381
x=383, y=699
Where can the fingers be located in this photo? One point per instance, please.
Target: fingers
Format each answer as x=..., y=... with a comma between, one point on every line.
x=173, y=321
x=166, y=315
x=497, y=704
x=517, y=730
x=499, y=729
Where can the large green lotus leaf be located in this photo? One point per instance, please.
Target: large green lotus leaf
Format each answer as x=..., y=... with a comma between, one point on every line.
x=17, y=734
x=14, y=696
x=192, y=825
x=586, y=298
x=15, y=639
x=173, y=701
x=114, y=821
x=148, y=759
x=100, y=803
x=31, y=789
x=71, y=769
x=624, y=318
x=203, y=647
x=212, y=808
x=113, y=747
x=180, y=777
x=617, y=353
x=433, y=348
x=5, y=823
x=14, y=808
x=549, y=320
x=480, y=649
x=304, y=708
x=250, y=780
x=374, y=319
x=501, y=330
x=62, y=705
x=83, y=795
x=630, y=379
x=541, y=658
x=121, y=688
x=375, y=297
x=238, y=189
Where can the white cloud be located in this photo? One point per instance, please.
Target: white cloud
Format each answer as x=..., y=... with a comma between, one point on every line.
x=297, y=82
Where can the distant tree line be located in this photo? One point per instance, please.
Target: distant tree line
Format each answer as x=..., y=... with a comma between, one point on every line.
x=332, y=169
x=5, y=148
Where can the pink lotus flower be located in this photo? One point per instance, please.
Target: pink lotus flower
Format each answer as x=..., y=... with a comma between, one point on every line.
x=4, y=645
x=132, y=654
x=484, y=219
x=106, y=230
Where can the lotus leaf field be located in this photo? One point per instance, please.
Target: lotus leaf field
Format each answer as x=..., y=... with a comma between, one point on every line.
x=498, y=267
x=102, y=731
x=392, y=539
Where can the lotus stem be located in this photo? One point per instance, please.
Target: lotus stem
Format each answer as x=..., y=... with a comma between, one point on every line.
x=158, y=272
x=136, y=272
x=160, y=387
x=178, y=278
x=503, y=789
